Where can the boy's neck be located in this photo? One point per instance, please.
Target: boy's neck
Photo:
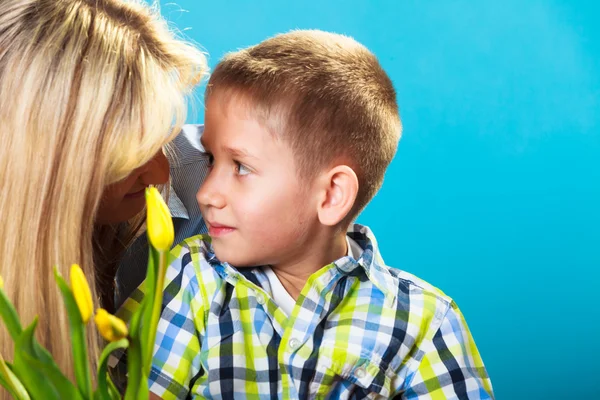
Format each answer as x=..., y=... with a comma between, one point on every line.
x=294, y=273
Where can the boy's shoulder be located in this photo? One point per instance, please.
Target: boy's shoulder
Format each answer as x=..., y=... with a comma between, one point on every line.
x=404, y=288
x=428, y=305
x=413, y=283
x=366, y=239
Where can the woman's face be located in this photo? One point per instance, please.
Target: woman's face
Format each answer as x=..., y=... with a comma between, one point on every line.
x=124, y=199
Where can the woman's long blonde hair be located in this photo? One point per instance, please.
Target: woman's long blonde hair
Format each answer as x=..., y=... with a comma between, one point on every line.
x=89, y=91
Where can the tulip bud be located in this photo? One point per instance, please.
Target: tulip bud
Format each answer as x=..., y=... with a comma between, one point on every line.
x=81, y=292
x=110, y=327
x=161, y=233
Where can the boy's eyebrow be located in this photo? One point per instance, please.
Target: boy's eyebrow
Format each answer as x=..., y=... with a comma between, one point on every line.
x=238, y=153
x=232, y=151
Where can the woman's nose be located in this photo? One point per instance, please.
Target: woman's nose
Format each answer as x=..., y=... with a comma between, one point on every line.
x=155, y=171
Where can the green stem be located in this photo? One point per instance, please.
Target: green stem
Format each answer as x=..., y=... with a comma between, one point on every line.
x=134, y=369
x=103, y=390
x=156, y=307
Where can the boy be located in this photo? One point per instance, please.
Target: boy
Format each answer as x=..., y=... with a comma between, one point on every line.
x=291, y=300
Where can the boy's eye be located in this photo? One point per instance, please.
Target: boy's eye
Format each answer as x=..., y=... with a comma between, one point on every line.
x=241, y=169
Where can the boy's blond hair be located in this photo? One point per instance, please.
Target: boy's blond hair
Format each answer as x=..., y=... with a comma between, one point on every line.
x=326, y=94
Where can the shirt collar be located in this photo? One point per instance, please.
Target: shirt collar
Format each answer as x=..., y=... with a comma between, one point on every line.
x=370, y=263
x=176, y=206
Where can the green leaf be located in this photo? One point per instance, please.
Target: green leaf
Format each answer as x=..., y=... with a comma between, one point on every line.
x=7, y=387
x=78, y=338
x=134, y=352
x=143, y=392
x=10, y=381
x=38, y=372
x=136, y=319
x=64, y=386
x=114, y=392
x=10, y=316
x=134, y=369
x=106, y=389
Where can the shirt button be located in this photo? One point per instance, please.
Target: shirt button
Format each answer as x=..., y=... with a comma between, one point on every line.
x=360, y=372
x=294, y=343
x=260, y=299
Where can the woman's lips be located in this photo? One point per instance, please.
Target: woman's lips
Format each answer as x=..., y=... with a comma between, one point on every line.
x=135, y=195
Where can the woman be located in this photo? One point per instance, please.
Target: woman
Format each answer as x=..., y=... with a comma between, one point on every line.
x=90, y=92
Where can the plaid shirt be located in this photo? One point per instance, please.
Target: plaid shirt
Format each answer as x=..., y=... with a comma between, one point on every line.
x=359, y=330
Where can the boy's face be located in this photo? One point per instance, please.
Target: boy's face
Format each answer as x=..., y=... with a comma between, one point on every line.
x=257, y=210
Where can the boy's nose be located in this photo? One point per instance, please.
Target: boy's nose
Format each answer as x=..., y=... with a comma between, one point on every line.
x=209, y=195
x=156, y=171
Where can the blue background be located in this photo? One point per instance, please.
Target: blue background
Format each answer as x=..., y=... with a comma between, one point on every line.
x=494, y=194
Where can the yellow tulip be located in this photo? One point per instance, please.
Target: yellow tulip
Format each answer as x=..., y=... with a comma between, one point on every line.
x=159, y=223
x=82, y=293
x=110, y=327
x=1, y=283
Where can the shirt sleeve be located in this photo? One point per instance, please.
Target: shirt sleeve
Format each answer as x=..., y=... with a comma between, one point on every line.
x=451, y=367
x=176, y=358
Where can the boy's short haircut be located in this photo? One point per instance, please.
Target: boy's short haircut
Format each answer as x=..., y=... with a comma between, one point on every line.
x=324, y=93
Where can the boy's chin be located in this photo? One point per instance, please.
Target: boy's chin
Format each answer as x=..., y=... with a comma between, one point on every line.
x=236, y=260
x=239, y=254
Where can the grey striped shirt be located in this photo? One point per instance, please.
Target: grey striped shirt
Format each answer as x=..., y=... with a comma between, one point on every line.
x=189, y=167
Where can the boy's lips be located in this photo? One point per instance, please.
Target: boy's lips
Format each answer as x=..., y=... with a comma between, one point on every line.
x=216, y=229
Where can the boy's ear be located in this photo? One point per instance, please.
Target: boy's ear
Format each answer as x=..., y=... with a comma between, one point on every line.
x=339, y=189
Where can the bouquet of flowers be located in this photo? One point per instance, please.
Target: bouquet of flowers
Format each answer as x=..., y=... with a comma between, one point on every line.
x=33, y=374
